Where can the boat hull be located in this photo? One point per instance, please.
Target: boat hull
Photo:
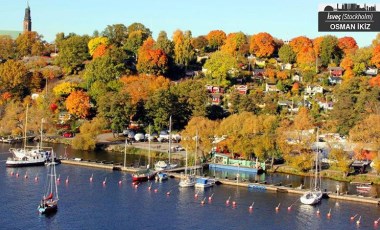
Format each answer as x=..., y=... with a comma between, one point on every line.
x=311, y=198
x=13, y=164
x=48, y=209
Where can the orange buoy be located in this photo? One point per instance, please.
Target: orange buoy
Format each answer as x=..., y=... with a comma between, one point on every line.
x=12, y=173
x=376, y=221
x=91, y=178
x=210, y=198
x=156, y=190
x=36, y=178
x=234, y=203
x=329, y=213
x=17, y=175
x=120, y=182
x=203, y=201
x=26, y=176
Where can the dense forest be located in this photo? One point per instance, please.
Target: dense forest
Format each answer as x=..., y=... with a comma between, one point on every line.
x=263, y=95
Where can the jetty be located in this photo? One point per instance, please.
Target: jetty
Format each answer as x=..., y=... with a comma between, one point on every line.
x=250, y=185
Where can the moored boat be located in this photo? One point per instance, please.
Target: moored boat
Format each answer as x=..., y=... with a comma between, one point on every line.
x=161, y=176
x=204, y=182
x=363, y=188
x=143, y=175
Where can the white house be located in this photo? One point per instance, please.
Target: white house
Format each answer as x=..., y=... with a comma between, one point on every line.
x=313, y=89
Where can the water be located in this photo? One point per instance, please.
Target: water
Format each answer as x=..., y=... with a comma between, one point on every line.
x=86, y=205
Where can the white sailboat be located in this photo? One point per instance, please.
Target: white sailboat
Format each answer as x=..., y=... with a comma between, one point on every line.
x=314, y=196
x=162, y=165
x=49, y=202
x=187, y=180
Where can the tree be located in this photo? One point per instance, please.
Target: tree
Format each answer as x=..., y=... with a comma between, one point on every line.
x=78, y=104
x=340, y=160
x=29, y=44
x=376, y=56
x=306, y=58
x=219, y=67
x=7, y=47
x=116, y=33
x=136, y=26
x=317, y=45
x=374, y=81
x=299, y=44
x=64, y=89
x=73, y=52
x=89, y=130
x=234, y=44
x=199, y=43
x=330, y=50
x=141, y=87
x=151, y=61
x=135, y=41
x=95, y=42
x=362, y=59
x=367, y=131
x=216, y=39
x=183, y=50
x=262, y=44
x=347, y=45
x=287, y=54
x=14, y=77
x=347, y=63
x=163, y=43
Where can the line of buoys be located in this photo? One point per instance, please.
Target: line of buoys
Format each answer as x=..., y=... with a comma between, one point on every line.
x=278, y=207
x=353, y=217
x=329, y=213
x=251, y=207
x=376, y=221
x=210, y=197
x=228, y=200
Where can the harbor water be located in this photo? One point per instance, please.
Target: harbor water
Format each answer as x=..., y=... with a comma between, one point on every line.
x=113, y=205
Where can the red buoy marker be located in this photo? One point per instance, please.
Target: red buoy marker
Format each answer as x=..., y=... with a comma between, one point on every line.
x=251, y=207
x=67, y=179
x=278, y=207
x=228, y=200
x=210, y=198
x=353, y=217
x=105, y=181
x=92, y=177
x=329, y=213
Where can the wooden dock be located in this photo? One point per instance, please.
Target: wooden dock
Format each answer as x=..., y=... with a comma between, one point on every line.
x=182, y=169
x=100, y=165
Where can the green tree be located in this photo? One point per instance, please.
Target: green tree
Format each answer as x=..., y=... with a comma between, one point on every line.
x=287, y=54
x=73, y=52
x=340, y=160
x=29, y=44
x=135, y=41
x=220, y=67
x=116, y=33
x=136, y=26
x=95, y=42
x=164, y=44
x=330, y=51
x=86, y=139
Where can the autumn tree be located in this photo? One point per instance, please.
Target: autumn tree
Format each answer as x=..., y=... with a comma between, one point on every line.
x=367, y=132
x=362, y=59
x=151, y=60
x=348, y=45
x=203, y=129
x=262, y=44
x=317, y=45
x=374, y=81
x=199, y=43
x=329, y=50
x=143, y=86
x=183, y=50
x=64, y=88
x=78, y=104
x=287, y=54
x=12, y=118
x=88, y=131
x=219, y=68
x=95, y=42
x=13, y=77
x=340, y=160
x=7, y=47
x=135, y=41
x=298, y=44
x=235, y=44
x=376, y=56
x=347, y=63
x=216, y=39
x=29, y=44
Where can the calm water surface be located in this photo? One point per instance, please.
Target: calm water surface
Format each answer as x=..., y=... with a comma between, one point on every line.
x=86, y=205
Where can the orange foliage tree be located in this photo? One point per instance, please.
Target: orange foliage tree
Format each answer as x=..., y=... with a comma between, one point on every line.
x=348, y=45
x=375, y=81
x=306, y=57
x=151, y=60
x=282, y=75
x=376, y=56
x=262, y=44
x=317, y=45
x=141, y=87
x=270, y=73
x=99, y=51
x=78, y=104
x=216, y=39
x=347, y=63
x=234, y=43
x=299, y=44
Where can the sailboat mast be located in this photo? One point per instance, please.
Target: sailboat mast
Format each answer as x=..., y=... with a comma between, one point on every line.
x=26, y=124
x=196, y=149
x=316, y=163
x=149, y=147
x=170, y=136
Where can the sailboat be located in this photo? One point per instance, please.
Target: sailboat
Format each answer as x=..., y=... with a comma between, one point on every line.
x=162, y=165
x=144, y=174
x=31, y=156
x=189, y=180
x=314, y=196
x=49, y=201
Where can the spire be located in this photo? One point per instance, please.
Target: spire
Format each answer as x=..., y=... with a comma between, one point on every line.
x=27, y=19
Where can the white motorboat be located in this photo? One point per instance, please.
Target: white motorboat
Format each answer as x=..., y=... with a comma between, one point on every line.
x=187, y=181
x=161, y=176
x=204, y=182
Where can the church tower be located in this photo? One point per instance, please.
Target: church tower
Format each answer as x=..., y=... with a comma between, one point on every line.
x=27, y=20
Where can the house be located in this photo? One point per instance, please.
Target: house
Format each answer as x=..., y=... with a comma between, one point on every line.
x=335, y=80
x=216, y=93
x=270, y=87
x=286, y=66
x=313, y=89
x=214, y=89
x=258, y=74
x=336, y=71
x=326, y=105
x=371, y=71
x=216, y=98
x=63, y=117
x=242, y=89
x=297, y=77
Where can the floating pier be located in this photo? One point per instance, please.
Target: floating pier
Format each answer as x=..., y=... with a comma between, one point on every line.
x=91, y=164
